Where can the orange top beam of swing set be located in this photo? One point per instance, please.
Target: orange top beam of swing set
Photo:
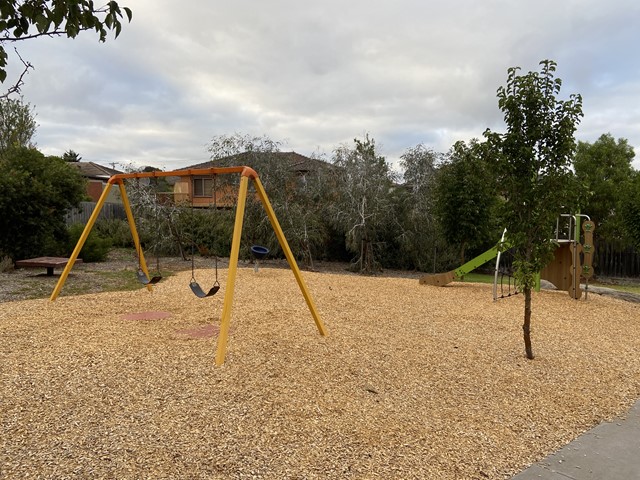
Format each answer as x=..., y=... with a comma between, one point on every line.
x=243, y=171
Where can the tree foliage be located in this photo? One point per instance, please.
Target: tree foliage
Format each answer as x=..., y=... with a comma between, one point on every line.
x=422, y=245
x=155, y=219
x=304, y=220
x=532, y=160
x=604, y=172
x=28, y=19
x=35, y=194
x=71, y=156
x=363, y=207
x=631, y=210
x=466, y=198
x=261, y=154
x=17, y=124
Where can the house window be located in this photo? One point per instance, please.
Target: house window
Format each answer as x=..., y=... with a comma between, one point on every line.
x=202, y=187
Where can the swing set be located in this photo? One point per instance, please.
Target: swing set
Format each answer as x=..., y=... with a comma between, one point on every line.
x=246, y=174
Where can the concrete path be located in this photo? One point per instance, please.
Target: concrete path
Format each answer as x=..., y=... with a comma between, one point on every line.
x=610, y=451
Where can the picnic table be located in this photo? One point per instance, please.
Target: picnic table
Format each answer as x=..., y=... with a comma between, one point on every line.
x=47, y=262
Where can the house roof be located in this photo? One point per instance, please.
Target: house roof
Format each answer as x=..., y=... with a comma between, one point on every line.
x=297, y=162
x=93, y=170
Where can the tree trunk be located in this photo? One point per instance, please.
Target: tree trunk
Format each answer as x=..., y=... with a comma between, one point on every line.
x=526, y=327
x=178, y=239
x=463, y=248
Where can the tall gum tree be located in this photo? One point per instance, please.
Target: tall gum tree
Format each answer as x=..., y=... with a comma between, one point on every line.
x=363, y=209
x=532, y=161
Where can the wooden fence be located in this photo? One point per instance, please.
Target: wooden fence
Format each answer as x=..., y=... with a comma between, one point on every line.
x=82, y=214
x=613, y=261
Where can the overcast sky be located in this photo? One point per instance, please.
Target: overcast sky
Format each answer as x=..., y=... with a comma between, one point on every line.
x=317, y=75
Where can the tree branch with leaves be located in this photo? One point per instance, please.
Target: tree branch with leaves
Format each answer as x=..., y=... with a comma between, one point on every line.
x=30, y=19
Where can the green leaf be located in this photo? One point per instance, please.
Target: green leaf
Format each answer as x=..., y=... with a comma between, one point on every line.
x=42, y=23
x=128, y=12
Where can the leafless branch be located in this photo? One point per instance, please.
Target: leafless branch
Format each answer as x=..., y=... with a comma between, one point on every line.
x=20, y=82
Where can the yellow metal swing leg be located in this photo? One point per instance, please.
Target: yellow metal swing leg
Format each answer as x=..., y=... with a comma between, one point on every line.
x=233, y=270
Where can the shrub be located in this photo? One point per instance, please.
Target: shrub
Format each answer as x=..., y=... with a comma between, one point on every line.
x=95, y=248
x=116, y=230
x=210, y=230
x=6, y=264
x=35, y=194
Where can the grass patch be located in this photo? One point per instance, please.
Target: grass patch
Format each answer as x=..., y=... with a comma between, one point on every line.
x=30, y=292
x=623, y=287
x=620, y=285
x=124, y=280
x=474, y=277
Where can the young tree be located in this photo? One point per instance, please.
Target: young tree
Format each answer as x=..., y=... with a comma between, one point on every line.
x=24, y=20
x=17, y=124
x=304, y=219
x=363, y=208
x=532, y=161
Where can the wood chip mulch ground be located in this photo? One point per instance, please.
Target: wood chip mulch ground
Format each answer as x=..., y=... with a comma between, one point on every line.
x=412, y=381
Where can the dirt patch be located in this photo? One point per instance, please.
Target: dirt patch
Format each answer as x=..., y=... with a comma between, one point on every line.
x=119, y=273
x=412, y=381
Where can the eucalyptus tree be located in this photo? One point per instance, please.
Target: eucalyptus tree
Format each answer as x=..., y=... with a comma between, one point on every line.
x=276, y=175
x=304, y=220
x=420, y=237
x=363, y=206
x=532, y=160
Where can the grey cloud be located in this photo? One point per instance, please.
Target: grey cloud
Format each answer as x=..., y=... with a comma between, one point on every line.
x=320, y=74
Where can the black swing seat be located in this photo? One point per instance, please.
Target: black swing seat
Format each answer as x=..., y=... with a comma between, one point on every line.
x=197, y=289
x=143, y=279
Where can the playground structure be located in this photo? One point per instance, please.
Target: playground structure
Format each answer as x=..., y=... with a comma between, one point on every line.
x=246, y=173
x=572, y=260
